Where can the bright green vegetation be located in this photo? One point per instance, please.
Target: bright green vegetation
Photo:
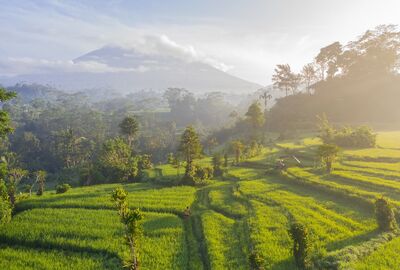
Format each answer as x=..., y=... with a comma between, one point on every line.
x=249, y=210
x=219, y=231
x=385, y=257
x=389, y=139
x=144, y=196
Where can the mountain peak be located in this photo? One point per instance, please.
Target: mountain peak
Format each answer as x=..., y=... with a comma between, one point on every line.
x=127, y=69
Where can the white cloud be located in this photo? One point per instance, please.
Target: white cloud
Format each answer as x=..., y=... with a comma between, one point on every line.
x=17, y=66
x=163, y=46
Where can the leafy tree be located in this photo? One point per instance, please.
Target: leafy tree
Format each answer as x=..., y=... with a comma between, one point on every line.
x=40, y=179
x=226, y=158
x=327, y=59
x=133, y=227
x=282, y=79
x=190, y=147
x=255, y=116
x=15, y=175
x=308, y=75
x=129, y=127
x=116, y=160
x=385, y=216
x=72, y=149
x=5, y=122
x=328, y=153
x=301, y=244
x=326, y=130
x=217, y=164
x=237, y=147
x=144, y=163
x=286, y=80
x=211, y=143
x=202, y=174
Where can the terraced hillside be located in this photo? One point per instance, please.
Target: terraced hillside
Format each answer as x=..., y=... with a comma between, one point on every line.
x=248, y=211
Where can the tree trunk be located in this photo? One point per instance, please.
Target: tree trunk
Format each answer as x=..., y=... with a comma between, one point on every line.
x=328, y=166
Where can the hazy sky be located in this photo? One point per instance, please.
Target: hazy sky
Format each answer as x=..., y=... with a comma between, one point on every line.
x=246, y=37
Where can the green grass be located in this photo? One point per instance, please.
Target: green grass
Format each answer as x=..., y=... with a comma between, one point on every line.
x=218, y=231
x=330, y=222
x=387, y=167
x=373, y=154
x=384, y=258
x=249, y=209
x=269, y=234
x=144, y=196
x=17, y=258
x=224, y=199
x=98, y=232
x=388, y=139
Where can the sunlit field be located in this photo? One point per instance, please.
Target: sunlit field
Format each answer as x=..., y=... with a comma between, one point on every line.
x=200, y=135
x=247, y=211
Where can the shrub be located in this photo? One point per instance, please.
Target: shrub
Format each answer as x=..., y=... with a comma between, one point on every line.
x=133, y=227
x=359, y=137
x=203, y=173
x=327, y=153
x=3, y=191
x=5, y=211
x=384, y=215
x=197, y=175
x=62, y=188
x=217, y=164
x=301, y=247
x=256, y=261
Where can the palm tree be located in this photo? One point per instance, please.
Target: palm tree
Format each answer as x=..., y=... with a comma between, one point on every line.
x=265, y=96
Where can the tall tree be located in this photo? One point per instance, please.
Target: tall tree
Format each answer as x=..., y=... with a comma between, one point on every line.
x=116, y=160
x=237, y=147
x=327, y=60
x=190, y=146
x=265, y=96
x=255, y=115
x=256, y=118
x=5, y=122
x=129, y=127
x=282, y=78
x=309, y=75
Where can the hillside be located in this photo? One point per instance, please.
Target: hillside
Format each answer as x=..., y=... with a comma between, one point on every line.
x=245, y=212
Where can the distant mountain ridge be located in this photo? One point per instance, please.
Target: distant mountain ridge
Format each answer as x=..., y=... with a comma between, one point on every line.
x=126, y=70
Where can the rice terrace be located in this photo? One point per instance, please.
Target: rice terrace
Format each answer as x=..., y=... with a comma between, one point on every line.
x=200, y=135
x=246, y=212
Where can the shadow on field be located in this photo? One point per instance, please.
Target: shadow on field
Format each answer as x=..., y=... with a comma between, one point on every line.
x=110, y=260
x=284, y=265
x=160, y=226
x=65, y=201
x=352, y=241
